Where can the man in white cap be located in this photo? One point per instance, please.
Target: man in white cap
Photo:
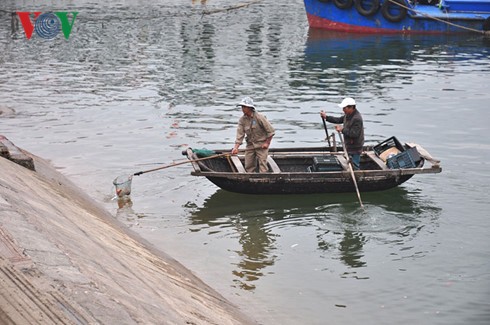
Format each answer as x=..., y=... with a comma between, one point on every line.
x=352, y=129
x=258, y=133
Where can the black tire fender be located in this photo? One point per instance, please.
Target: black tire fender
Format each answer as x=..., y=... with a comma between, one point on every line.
x=394, y=17
x=343, y=4
x=366, y=7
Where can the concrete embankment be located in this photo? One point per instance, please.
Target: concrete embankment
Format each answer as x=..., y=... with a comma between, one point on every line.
x=65, y=260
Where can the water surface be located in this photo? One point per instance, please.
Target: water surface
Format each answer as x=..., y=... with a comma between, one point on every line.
x=138, y=82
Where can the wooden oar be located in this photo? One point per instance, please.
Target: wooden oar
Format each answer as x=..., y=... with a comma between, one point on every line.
x=326, y=131
x=351, y=169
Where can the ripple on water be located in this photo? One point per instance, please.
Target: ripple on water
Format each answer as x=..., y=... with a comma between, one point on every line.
x=138, y=80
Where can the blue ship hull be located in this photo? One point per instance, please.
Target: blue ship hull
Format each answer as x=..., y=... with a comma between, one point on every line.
x=400, y=16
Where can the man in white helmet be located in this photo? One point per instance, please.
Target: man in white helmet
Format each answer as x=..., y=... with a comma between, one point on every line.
x=352, y=129
x=258, y=133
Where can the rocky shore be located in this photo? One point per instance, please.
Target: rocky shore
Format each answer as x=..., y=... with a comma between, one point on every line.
x=66, y=260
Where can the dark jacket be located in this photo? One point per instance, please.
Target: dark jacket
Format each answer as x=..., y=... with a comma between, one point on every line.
x=353, y=131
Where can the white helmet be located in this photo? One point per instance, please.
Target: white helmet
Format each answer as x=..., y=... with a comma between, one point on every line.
x=247, y=101
x=347, y=102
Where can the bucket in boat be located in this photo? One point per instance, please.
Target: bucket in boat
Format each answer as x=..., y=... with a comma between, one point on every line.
x=123, y=185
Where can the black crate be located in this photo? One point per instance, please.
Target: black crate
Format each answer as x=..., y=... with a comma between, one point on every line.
x=406, y=159
x=326, y=164
x=387, y=144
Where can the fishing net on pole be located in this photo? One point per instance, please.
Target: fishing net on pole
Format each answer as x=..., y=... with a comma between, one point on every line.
x=123, y=185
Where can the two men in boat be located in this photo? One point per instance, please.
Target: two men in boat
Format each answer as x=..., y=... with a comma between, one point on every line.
x=258, y=133
x=352, y=129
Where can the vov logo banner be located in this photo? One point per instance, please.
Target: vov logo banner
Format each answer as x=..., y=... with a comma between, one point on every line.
x=47, y=25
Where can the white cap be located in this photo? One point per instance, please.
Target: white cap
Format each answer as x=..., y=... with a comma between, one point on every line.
x=247, y=101
x=347, y=102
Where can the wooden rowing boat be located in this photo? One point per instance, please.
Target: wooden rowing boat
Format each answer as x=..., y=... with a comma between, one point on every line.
x=309, y=170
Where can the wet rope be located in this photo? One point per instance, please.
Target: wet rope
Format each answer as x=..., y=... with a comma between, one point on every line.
x=438, y=19
x=238, y=6
x=159, y=16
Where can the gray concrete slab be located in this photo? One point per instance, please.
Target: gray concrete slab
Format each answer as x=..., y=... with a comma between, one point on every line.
x=65, y=260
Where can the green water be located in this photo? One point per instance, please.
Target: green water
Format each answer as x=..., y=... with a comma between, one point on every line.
x=138, y=82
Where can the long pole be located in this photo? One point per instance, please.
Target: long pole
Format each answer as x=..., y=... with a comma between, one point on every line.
x=128, y=183
x=181, y=163
x=326, y=131
x=189, y=161
x=351, y=169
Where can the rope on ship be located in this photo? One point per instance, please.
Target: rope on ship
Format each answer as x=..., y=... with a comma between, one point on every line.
x=439, y=19
x=238, y=6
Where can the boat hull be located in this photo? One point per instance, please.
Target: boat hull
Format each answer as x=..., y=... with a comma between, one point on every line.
x=290, y=184
x=418, y=19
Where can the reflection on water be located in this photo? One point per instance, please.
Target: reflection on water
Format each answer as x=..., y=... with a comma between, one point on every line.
x=139, y=79
x=350, y=248
x=359, y=63
x=257, y=252
x=124, y=202
x=126, y=214
x=341, y=228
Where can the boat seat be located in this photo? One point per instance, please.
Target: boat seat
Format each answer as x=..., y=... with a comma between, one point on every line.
x=377, y=160
x=237, y=164
x=273, y=165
